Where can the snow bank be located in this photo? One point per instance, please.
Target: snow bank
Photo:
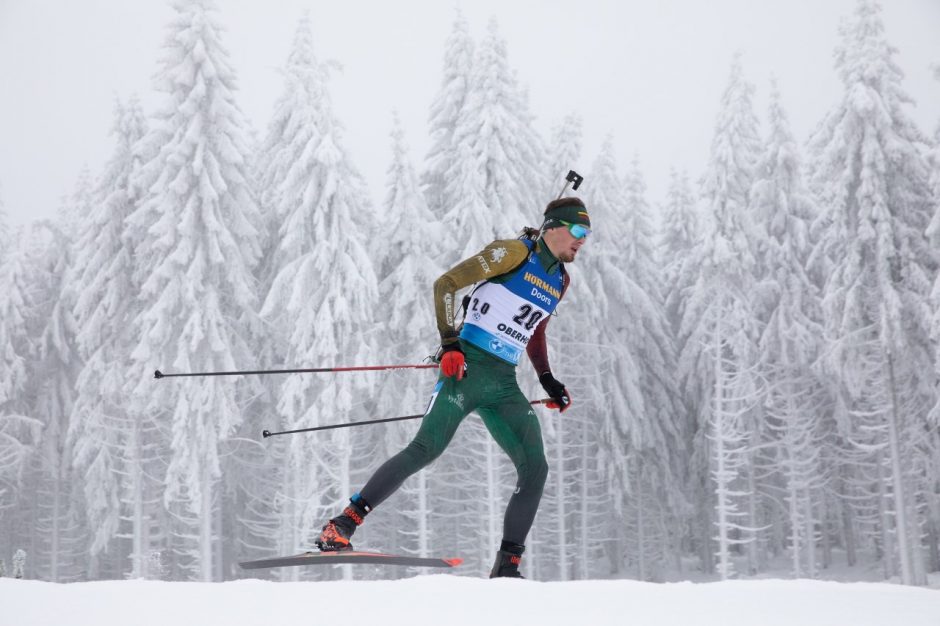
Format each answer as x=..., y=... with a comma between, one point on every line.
x=456, y=601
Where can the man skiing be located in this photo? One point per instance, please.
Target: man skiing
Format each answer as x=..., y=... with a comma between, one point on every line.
x=521, y=282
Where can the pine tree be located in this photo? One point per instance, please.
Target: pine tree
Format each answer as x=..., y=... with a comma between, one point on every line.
x=4, y=227
x=564, y=152
x=197, y=242
x=20, y=318
x=680, y=229
x=320, y=303
x=411, y=250
x=105, y=435
x=718, y=329
x=60, y=527
x=872, y=183
x=445, y=113
x=788, y=303
x=493, y=184
x=655, y=432
x=579, y=483
x=933, y=232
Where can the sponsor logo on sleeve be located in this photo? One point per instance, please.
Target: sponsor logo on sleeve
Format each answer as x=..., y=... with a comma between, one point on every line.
x=484, y=264
x=498, y=254
x=449, y=307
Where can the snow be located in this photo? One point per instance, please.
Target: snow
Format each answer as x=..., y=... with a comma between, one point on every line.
x=457, y=601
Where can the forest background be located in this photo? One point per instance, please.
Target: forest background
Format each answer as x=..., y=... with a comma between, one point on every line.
x=753, y=358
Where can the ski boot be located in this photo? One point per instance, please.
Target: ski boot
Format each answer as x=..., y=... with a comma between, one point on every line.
x=336, y=534
x=507, y=561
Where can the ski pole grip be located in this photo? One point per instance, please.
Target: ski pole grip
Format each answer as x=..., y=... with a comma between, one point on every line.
x=574, y=177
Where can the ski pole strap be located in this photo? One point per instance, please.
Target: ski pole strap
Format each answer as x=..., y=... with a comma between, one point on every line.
x=309, y=370
x=267, y=433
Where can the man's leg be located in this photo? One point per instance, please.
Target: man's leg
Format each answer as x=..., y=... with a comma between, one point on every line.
x=515, y=427
x=450, y=403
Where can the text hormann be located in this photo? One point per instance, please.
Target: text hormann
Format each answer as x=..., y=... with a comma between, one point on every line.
x=541, y=284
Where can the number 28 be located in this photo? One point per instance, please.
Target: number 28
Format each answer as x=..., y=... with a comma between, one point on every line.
x=526, y=311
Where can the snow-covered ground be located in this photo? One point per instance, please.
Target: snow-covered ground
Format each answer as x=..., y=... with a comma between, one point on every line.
x=443, y=600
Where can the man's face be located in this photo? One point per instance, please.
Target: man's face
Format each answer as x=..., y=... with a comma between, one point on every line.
x=562, y=243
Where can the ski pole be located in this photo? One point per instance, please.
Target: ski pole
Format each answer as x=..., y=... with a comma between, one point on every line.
x=312, y=370
x=267, y=433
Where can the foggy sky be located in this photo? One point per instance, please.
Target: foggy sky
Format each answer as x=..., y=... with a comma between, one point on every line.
x=650, y=73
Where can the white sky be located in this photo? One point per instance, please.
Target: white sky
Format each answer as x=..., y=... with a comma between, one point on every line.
x=651, y=73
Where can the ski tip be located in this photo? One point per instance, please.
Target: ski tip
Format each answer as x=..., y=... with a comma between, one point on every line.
x=453, y=562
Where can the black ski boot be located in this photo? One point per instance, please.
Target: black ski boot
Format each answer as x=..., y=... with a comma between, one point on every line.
x=336, y=534
x=507, y=561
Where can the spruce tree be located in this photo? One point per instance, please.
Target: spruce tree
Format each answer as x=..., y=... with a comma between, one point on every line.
x=679, y=233
x=872, y=181
x=60, y=527
x=933, y=232
x=718, y=330
x=196, y=240
x=493, y=184
x=4, y=227
x=445, y=112
x=20, y=315
x=105, y=434
x=410, y=246
x=788, y=303
x=564, y=153
x=323, y=292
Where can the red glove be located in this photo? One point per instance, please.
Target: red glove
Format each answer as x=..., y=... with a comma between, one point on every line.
x=452, y=362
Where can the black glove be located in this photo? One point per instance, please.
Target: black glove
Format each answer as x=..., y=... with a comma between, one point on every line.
x=561, y=399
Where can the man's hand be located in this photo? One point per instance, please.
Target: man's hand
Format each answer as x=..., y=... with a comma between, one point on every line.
x=452, y=361
x=561, y=399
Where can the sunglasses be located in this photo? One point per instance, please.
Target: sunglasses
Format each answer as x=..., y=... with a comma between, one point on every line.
x=578, y=231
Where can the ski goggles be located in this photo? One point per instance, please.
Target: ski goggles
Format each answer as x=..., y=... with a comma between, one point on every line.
x=578, y=231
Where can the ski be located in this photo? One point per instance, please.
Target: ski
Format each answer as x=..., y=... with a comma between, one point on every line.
x=349, y=556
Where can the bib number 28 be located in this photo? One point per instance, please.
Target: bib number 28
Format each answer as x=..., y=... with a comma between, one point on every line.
x=528, y=316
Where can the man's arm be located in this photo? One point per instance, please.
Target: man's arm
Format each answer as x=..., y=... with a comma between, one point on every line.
x=537, y=348
x=495, y=259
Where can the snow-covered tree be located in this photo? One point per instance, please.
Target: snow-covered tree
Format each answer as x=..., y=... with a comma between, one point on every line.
x=788, y=303
x=576, y=482
x=4, y=227
x=411, y=240
x=196, y=241
x=655, y=430
x=718, y=331
x=493, y=184
x=321, y=299
x=445, y=113
x=105, y=434
x=564, y=154
x=60, y=527
x=872, y=181
x=680, y=230
x=933, y=232
x=21, y=310
x=631, y=352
